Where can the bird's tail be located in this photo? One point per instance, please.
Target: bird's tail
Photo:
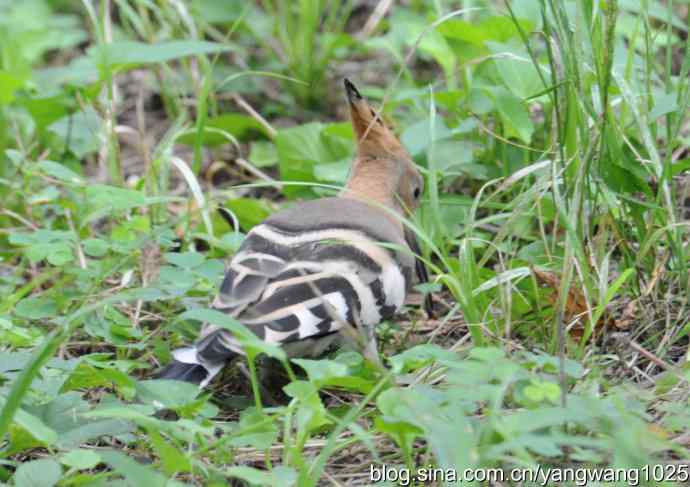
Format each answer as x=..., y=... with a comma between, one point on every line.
x=194, y=373
x=200, y=363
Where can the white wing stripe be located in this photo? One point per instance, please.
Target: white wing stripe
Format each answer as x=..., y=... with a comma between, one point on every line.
x=392, y=278
x=347, y=270
x=276, y=285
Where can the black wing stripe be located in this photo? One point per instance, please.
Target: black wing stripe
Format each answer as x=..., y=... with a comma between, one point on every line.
x=337, y=250
x=288, y=229
x=213, y=348
x=297, y=293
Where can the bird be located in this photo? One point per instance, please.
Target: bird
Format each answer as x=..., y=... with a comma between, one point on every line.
x=310, y=272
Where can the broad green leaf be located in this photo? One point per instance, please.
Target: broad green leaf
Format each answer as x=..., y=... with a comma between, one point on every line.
x=173, y=459
x=57, y=255
x=171, y=394
x=457, y=156
x=550, y=364
x=134, y=472
x=248, y=211
x=517, y=70
x=18, y=360
x=232, y=241
x=59, y=171
x=34, y=28
x=417, y=137
x=219, y=11
x=444, y=424
x=82, y=130
x=280, y=475
x=38, y=473
x=320, y=371
x=621, y=172
x=299, y=150
x=80, y=71
x=339, y=373
x=65, y=413
x=239, y=126
x=302, y=148
x=405, y=29
x=528, y=13
x=419, y=356
x=36, y=427
x=212, y=269
x=19, y=439
x=125, y=53
x=454, y=211
x=263, y=154
x=540, y=391
x=19, y=336
x=9, y=84
x=514, y=114
x=254, y=430
x=544, y=417
x=139, y=413
x=402, y=432
x=490, y=29
x=111, y=197
x=81, y=459
x=176, y=280
x=664, y=103
x=47, y=195
x=310, y=413
x=83, y=431
x=488, y=354
x=334, y=172
x=464, y=31
x=187, y=260
x=36, y=308
x=95, y=247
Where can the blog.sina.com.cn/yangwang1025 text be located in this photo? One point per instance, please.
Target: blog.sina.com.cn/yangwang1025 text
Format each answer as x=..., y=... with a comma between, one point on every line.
x=578, y=475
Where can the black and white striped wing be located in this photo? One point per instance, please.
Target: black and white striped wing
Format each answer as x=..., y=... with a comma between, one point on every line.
x=291, y=286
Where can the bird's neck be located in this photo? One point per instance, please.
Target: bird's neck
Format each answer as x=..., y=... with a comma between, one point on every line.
x=374, y=182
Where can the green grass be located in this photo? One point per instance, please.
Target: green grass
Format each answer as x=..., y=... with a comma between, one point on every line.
x=553, y=136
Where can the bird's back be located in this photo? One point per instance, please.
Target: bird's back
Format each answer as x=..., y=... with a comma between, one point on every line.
x=307, y=270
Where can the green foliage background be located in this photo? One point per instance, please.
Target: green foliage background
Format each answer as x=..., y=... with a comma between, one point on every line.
x=553, y=136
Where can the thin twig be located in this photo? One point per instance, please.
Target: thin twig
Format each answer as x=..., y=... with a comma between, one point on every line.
x=257, y=172
x=254, y=114
x=17, y=216
x=622, y=338
x=80, y=251
x=374, y=19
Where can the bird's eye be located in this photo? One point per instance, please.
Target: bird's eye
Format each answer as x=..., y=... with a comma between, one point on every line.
x=417, y=193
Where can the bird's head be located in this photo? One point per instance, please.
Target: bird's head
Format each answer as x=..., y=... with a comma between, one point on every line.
x=383, y=170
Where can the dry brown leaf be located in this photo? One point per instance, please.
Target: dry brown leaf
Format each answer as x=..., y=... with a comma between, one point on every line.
x=575, y=306
x=659, y=271
x=150, y=263
x=627, y=316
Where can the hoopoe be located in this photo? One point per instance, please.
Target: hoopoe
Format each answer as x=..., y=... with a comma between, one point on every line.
x=309, y=273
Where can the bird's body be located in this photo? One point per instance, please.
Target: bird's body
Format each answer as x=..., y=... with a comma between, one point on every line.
x=309, y=271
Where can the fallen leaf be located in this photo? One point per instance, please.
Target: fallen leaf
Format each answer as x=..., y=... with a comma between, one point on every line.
x=575, y=306
x=627, y=316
